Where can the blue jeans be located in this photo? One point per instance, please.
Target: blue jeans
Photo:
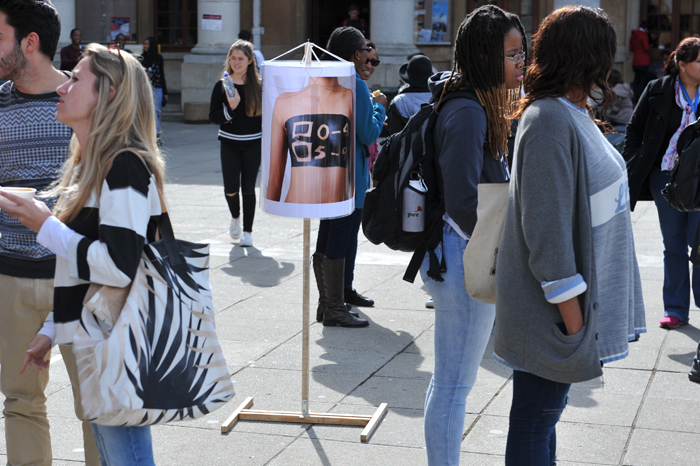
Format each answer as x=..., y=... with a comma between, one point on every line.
x=462, y=330
x=678, y=232
x=121, y=446
x=536, y=409
x=158, y=101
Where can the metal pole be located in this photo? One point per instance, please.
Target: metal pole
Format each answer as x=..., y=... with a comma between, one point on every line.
x=305, y=323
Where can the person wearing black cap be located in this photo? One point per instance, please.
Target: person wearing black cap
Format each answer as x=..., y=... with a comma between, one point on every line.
x=415, y=74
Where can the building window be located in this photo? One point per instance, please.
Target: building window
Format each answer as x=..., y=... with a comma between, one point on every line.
x=432, y=22
x=659, y=16
x=176, y=23
x=690, y=18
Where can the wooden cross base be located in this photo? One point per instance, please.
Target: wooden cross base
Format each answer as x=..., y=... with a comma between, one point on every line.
x=244, y=414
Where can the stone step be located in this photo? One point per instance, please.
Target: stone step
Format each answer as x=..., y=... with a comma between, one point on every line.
x=176, y=116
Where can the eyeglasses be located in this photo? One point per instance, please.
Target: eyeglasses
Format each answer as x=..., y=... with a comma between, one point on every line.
x=517, y=59
x=368, y=49
x=372, y=61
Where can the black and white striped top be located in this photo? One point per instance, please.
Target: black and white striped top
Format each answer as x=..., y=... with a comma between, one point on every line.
x=235, y=126
x=104, y=243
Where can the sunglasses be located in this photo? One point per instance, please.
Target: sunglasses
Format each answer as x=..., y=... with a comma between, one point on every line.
x=372, y=61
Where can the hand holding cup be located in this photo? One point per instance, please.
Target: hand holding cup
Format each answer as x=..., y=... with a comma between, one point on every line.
x=20, y=204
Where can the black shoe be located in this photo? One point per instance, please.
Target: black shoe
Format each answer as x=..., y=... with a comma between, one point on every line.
x=336, y=312
x=694, y=377
x=356, y=299
x=694, y=374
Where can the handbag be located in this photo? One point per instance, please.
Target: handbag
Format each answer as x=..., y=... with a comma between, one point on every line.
x=148, y=354
x=683, y=188
x=480, y=256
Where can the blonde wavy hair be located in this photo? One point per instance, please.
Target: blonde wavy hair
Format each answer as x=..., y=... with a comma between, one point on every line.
x=124, y=123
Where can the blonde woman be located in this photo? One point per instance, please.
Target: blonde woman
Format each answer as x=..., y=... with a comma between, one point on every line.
x=108, y=207
x=239, y=117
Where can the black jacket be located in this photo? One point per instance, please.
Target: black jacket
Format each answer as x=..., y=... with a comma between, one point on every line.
x=645, y=134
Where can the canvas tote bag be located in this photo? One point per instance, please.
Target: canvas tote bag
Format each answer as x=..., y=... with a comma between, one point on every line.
x=149, y=354
x=482, y=249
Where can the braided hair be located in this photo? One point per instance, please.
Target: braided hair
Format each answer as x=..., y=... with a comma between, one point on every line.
x=479, y=59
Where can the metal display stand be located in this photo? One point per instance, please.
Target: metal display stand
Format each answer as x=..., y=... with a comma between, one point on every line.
x=243, y=412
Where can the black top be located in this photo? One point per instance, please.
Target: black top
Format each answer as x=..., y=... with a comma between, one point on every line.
x=155, y=68
x=654, y=121
x=318, y=140
x=235, y=126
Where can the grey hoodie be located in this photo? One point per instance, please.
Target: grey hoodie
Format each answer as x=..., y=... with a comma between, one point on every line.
x=464, y=160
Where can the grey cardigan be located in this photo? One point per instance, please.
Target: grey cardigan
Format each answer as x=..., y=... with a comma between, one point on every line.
x=552, y=241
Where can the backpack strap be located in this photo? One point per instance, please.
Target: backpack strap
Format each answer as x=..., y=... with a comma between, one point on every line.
x=435, y=267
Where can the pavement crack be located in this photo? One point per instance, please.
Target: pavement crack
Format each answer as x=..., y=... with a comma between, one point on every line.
x=654, y=370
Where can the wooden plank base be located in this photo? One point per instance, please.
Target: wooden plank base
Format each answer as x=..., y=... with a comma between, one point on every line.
x=242, y=413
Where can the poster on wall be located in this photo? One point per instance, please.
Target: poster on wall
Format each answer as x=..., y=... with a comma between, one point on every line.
x=212, y=22
x=308, y=139
x=120, y=25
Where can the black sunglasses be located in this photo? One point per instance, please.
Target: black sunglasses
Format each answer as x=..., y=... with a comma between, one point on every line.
x=372, y=61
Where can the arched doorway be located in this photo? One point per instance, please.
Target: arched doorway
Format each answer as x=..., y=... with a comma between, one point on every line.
x=326, y=15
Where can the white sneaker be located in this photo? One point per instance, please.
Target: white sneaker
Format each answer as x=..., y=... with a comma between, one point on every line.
x=246, y=239
x=235, y=228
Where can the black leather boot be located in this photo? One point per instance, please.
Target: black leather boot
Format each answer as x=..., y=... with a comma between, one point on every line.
x=694, y=374
x=355, y=298
x=333, y=280
x=317, y=260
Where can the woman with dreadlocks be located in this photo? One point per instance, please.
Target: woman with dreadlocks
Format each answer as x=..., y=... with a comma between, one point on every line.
x=471, y=135
x=568, y=291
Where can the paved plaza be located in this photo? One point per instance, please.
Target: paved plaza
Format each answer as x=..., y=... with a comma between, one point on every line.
x=642, y=412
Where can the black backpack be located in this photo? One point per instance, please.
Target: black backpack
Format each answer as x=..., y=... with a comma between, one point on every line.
x=410, y=151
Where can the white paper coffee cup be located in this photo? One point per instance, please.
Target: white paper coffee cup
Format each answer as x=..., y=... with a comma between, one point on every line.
x=25, y=193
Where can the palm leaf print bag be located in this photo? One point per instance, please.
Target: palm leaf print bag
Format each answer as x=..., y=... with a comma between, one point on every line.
x=148, y=354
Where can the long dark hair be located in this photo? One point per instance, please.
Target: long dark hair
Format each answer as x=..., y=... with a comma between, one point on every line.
x=344, y=42
x=574, y=48
x=148, y=58
x=687, y=51
x=479, y=59
x=252, y=87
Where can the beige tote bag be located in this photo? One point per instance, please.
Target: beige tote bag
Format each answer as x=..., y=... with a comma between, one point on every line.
x=480, y=255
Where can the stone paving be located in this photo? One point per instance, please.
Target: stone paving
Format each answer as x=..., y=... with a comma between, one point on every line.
x=642, y=412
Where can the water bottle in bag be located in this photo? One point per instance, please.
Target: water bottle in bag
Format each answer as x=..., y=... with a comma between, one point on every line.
x=413, y=204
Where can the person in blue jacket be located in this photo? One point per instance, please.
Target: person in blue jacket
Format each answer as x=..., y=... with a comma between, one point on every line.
x=336, y=246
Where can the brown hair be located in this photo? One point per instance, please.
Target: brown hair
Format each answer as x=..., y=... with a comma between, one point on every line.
x=252, y=86
x=574, y=48
x=687, y=51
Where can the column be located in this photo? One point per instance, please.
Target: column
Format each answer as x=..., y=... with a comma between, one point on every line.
x=66, y=10
x=203, y=66
x=391, y=28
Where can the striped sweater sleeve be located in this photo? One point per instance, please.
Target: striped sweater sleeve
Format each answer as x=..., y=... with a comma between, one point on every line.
x=125, y=206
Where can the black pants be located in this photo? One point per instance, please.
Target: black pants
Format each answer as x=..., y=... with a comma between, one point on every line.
x=641, y=79
x=337, y=238
x=240, y=165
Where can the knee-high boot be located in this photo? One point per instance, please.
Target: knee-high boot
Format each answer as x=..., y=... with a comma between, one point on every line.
x=317, y=261
x=334, y=282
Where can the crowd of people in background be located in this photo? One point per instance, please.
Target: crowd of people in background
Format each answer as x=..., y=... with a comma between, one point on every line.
x=569, y=296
